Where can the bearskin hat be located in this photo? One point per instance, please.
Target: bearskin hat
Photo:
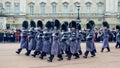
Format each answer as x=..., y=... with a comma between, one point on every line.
x=32, y=24
x=105, y=24
x=118, y=27
x=57, y=24
x=92, y=23
x=66, y=23
x=64, y=27
x=52, y=24
x=48, y=25
x=88, y=26
x=40, y=24
x=78, y=26
x=25, y=24
x=72, y=24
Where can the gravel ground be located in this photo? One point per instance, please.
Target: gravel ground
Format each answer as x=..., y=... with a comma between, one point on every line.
x=9, y=59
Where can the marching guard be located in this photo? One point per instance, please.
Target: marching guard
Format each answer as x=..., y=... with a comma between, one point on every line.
x=105, y=34
x=64, y=42
x=72, y=49
x=32, y=41
x=89, y=41
x=55, y=47
x=79, y=38
x=47, y=34
x=117, y=36
x=38, y=38
x=93, y=25
x=24, y=37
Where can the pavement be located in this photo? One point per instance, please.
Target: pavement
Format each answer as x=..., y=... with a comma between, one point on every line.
x=9, y=59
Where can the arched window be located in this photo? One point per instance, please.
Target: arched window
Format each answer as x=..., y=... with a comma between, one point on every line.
x=54, y=7
x=42, y=7
x=88, y=7
x=8, y=7
x=65, y=4
x=17, y=8
x=100, y=7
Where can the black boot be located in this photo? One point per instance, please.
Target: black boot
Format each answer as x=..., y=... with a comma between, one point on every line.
x=119, y=45
x=28, y=53
x=60, y=57
x=50, y=58
x=116, y=46
x=76, y=56
x=42, y=55
x=108, y=49
x=35, y=53
x=38, y=52
x=62, y=51
x=86, y=54
x=95, y=50
x=102, y=49
x=80, y=52
x=18, y=51
x=69, y=55
x=92, y=53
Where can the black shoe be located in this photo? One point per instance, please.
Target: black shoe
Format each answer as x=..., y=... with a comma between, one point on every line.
x=60, y=59
x=95, y=50
x=17, y=52
x=49, y=60
x=76, y=57
x=26, y=54
x=102, y=49
x=80, y=53
x=84, y=56
x=41, y=57
x=68, y=58
x=93, y=56
x=33, y=55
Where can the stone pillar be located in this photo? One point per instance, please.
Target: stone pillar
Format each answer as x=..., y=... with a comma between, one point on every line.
x=23, y=6
x=111, y=6
x=3, y=22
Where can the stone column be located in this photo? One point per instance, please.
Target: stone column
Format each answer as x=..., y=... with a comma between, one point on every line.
x=111, y=6
x=23, y=6
x=3, y=22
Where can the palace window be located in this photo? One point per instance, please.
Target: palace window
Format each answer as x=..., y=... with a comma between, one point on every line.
x=119, y=7
x=54, y=7
x=100, y=7
x=17, y=9
x=8, y=7
x=65, y=7
x=31, y=6
x=1, y=8
x=88, y=7
x=42, y=7
x=31, y=9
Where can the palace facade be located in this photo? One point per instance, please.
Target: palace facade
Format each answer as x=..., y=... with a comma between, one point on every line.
x=14, y=12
